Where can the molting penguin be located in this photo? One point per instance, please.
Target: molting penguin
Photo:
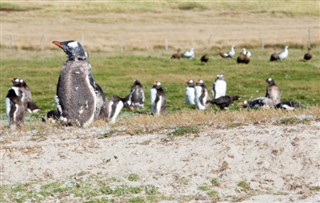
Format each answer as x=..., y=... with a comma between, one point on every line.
x=307, y=56
x=22, y=85
x=224, y=101
x=284, y=53
x=137, y=95
x=111, y=108
x=272, y=91
x=228, y=54
x=158, y=99
x=190, y=92
x=219, y=87
x=201, y=95
x=263, y=102
x=76, y=97
x=289, y=105
x=15, y=106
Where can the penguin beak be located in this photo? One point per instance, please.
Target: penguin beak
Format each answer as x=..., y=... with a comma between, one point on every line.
x=57, y=43
x=131, y=108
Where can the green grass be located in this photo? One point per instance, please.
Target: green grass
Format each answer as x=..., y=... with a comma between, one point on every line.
x=298, y=81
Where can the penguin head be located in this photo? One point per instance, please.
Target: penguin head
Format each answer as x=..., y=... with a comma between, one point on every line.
x=270, y=81
x=200, y=82
x=137, y=82
x=189, y=83
x=157, y=85
x=17, y=82
x=73, y=49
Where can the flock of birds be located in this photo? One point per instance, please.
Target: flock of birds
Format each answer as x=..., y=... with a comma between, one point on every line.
x=244, y=56
x=80, y=100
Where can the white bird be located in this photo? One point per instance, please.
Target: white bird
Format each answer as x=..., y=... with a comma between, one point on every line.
x=188, y=54
x=228, y=54
x=190, y=92
x=219, y=87
x=246, y=52
x=284, y=53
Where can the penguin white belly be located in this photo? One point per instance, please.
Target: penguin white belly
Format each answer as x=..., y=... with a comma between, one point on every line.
x=117, y=110
x=158, y=105
x=220, y=88
x=198, y=99
x=8, y=108
x=190, y=96
x=153, y=94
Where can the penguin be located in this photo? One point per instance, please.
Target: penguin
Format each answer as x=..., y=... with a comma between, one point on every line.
x=274, y=56
x=223, y=101
x=228, y=54
x=112, y=107
x=289, y=105
x=307, y=56
x=15, y=106
x=284, y=53
x=219, y=87
x=188, y=54
x=158, y=99
x=77, y=96
x=176, y=55
x=204, y=58
x=22, y=85
x=201, y=95
x=51, y=116
x=263, y=102
x=190, y=92
x=272, y=91
x=137, y=95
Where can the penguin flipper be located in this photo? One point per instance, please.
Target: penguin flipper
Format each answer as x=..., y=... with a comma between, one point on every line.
x=32, y=107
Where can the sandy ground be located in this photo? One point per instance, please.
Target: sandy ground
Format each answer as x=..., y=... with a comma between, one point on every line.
x=281, y=163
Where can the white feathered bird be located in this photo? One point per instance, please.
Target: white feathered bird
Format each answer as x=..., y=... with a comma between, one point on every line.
x=284, y=53
x=219, y=87
x=188, y=54
x=246, y=52
x=228, y=54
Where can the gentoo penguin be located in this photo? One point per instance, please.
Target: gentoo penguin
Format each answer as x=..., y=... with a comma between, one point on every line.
x=274, y=56
x=204, y=58
x=15, y=106
x=223, y=101
x=272, y=91
x=289, y=105
x=284, y=53
x=112, y=107
x=76, y=97
x=22, y=85
x=263, y=102
x=176, y=55
x=201, y=95
x=307, y=56
x=228, y=54
x=137, y=95
x=219, y=87
x=158, y=99
x=190, y=92
x=246, y=52
x=188, y=54
x=240, y=58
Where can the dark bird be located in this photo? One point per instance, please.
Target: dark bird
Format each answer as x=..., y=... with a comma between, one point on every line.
x=263, y=102
x=246, y=59
x=240, y=58
x=204, y=58
x=78, y=98
x=137, y=95
x=51, y=116
x=158, y=99
x=112, y=107
x=307, y=56
x=223, y=101
x=274, y=56
x=289, y=105
x=176, y=55
x=15, y=107
x=22, y=85
x=201, y=95
x=273, y=91
x=228, y=54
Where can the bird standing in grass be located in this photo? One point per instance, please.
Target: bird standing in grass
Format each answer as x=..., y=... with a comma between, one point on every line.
x=307, y=56
x=219, y=87
x=228, y=54
x=190, y=92
x=201, y=95
x=176, y=55
x=204, y=58
x=284, y=53
x=15, y=106
x=158, y=99
x=137, y=95
x=273, y=91
x=188, y=54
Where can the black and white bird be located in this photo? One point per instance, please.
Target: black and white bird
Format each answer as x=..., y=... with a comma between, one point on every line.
x=228, y=54
x=204, y=58
x=274, y=56
x=15, y=106
x=263, y=102
x=78, y=98
x=273, y=91
x=201, y=95
x=190, y=92
x=158, y=99
x=219, y=87
x=246, y=53
x=284, y=53
x=22, y=85
x=176, y=55
x=223, y=101
x=137, y=95
x=113, y=106
x=289, y=105
x=188, y=54
x=307, y=56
